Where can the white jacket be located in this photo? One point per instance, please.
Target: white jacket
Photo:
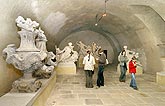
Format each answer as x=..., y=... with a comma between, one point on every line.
x=89, y=63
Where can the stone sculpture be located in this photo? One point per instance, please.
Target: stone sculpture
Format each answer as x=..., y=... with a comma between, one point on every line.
x=66, y=59
x=41, y=40
x=47, y=69
x=67, y=54
x=27, y=58
x=83, y=48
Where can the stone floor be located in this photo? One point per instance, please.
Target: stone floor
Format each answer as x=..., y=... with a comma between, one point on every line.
x=70, y=91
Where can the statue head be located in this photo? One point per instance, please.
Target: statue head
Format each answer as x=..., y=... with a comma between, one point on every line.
x=125, y=47
x=70, y=43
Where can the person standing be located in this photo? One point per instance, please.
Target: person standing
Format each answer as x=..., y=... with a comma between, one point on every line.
x=101, y=64
x=89, y=63
x=132, y=71
x=123, y=66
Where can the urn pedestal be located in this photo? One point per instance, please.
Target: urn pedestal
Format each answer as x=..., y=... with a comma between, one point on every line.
x=66, y=68
x=26, y=84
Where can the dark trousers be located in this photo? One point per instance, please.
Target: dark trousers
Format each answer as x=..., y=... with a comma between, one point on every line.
x=100, y=76
x=123, y=71
x=89, y=82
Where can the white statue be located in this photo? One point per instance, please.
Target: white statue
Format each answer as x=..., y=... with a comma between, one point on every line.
x=94, y=47
x=51, y=56
x=41, y=40
x=50, y=64
x=83, y=48
x=66, y=54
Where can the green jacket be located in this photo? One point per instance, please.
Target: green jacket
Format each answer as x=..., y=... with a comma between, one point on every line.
x=123, y=59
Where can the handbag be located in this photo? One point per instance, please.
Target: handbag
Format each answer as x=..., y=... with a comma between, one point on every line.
x=107, y=62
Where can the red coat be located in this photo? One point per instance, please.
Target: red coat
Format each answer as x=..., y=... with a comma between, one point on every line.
x=132, y=67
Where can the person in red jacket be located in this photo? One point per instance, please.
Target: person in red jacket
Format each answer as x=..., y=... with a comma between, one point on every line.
x=132, y=71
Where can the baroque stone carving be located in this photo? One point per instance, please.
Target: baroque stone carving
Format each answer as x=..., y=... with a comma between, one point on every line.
x=83, y=48
x=66, y=60
x=47, y=69
x=29, y=56
x=67, y=54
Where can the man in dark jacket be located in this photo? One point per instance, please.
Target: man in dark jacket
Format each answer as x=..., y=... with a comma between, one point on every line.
x=101, y=64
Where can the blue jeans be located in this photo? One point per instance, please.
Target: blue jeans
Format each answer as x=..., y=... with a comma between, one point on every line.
x=123, y=73
x=133, y=81
x=100, y=76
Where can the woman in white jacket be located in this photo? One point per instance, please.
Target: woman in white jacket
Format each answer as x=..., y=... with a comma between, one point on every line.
x=89, y=63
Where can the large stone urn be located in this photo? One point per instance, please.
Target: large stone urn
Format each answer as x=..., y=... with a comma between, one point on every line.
x=27, y=58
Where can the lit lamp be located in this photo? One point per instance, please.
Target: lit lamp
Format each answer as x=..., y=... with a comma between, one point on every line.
x=103, y=15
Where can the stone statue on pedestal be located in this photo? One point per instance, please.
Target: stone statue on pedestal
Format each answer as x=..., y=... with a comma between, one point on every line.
x=66, y=60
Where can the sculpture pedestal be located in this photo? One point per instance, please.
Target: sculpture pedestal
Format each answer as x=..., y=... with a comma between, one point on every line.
x=66, y=68
x=26, y=85
x=160, y=78
x=139, y=70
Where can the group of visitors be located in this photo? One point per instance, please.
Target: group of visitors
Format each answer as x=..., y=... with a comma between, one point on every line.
x=123, y=59
x=89, y=62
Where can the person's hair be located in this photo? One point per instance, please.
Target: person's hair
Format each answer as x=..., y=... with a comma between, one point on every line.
x=133, y=58
x=122, y=52
x=88, y=51
x=89, y=54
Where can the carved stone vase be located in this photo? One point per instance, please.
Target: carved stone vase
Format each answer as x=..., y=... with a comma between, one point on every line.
x=28, y=59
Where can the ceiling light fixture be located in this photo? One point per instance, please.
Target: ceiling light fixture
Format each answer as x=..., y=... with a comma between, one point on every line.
x=98, y=19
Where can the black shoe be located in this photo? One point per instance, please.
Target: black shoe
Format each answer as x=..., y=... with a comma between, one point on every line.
x=135, y=88
x=89, y=86
x=122, y=80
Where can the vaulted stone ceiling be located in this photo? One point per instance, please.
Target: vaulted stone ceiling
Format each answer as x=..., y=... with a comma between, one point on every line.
x=139, y=24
